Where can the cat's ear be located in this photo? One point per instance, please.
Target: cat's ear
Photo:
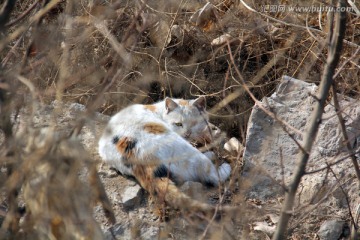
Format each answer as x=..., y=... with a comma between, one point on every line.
x=200, y=103
x=170, y=105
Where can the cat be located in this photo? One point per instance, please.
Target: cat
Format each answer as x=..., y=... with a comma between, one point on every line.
x=158, y=136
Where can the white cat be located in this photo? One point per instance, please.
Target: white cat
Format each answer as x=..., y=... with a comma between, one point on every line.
x=157, y=135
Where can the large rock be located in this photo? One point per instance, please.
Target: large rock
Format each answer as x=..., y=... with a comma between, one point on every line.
x=271, y=155
x=331, y=230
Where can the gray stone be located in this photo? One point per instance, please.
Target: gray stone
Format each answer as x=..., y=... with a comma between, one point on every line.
x=331, y=230
x=132, y=196
x=271, y=155
x=118, y=231
x=127, y=231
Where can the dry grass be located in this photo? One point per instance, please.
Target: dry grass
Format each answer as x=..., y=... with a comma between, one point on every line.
x=109, y=54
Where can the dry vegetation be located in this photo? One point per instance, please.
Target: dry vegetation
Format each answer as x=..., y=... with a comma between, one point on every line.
x=109, y=54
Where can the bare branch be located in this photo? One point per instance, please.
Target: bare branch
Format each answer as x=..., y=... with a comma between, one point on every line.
x=23, y=15
x=344, y=133
x=335, y=48
x=23, y=28
x=5, y=13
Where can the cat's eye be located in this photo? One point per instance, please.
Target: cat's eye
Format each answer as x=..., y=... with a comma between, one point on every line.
x=178, y=124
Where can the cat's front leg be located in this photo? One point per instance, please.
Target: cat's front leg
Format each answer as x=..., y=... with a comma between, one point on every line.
x=210, y=155
x=224, y=169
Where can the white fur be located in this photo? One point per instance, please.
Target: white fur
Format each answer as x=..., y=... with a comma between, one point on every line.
x=185, y=162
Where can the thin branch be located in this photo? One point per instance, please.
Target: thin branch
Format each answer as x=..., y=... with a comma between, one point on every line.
x=332, y=164
x=292, y=24
x=354, y=234
x=6, y=12
x=346, y=197
x=303, y=212
x=255, y=80
x=355, y=54
x=22, y=16
x=11, y=52
x=315, y=120
x=246, y=89
x=352, y=4
x=344, y=133
x=20, y=30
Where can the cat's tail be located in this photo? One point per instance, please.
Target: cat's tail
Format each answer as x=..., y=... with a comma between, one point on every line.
x=164, y=190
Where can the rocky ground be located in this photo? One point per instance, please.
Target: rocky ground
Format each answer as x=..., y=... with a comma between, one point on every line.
x=325, y=198
x=136, y=214
x=256, y=192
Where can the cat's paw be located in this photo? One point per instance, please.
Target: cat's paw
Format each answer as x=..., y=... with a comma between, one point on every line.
x=224, y=171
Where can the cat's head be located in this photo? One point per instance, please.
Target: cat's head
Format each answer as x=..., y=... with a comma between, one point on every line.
x=189, y=119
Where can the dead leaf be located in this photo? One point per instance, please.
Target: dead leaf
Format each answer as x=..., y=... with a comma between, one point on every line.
x=221, y=40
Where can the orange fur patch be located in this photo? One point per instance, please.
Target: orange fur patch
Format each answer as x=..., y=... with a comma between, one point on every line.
x=183, y=102
x=125, y=146
x=155, y=128
x=150, y=107
x=164, y=190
